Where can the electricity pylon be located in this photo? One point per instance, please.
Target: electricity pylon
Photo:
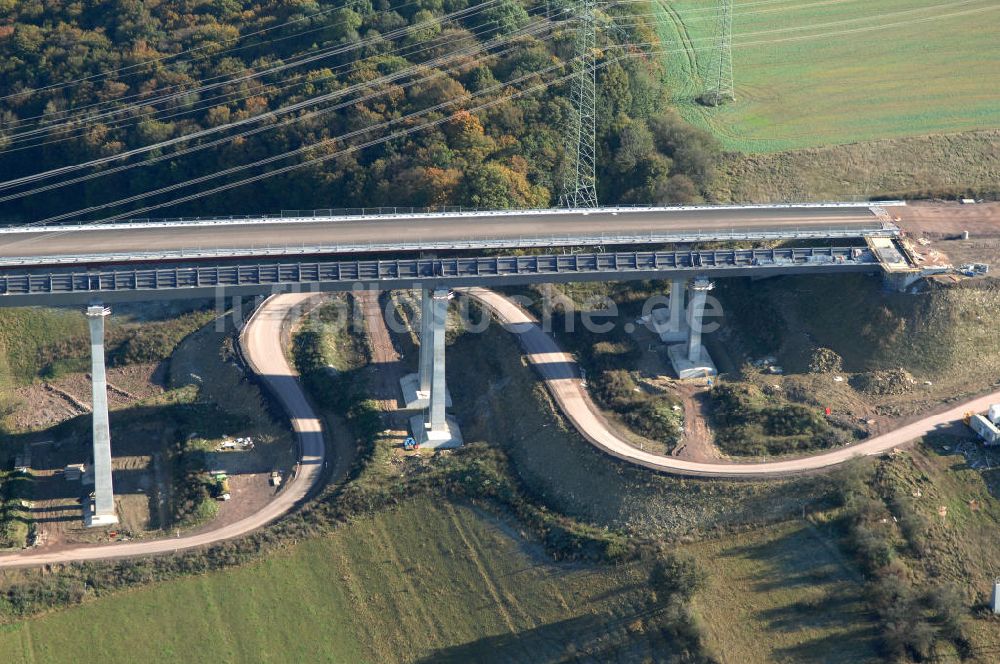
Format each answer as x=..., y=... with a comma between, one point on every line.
x=721, y=87
x=580, y=179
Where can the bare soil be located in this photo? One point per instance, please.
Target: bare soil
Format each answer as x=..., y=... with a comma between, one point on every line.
x=940, y=225
x=698, y=442
x=386, y=368
x=46, y=403
x=142, y=474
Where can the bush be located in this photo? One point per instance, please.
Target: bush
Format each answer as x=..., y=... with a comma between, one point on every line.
x=617, y=390
x=611, y=355
x=748, y=423
x=648, y=415
x=910, y=623
x=655, y=418
x=676, y=576
x=792, y=420
x=911, y=523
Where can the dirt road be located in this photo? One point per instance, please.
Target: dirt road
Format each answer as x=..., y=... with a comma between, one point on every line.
x=386, y=365
x=261, y=342
x=562, y=377
x=981, y=220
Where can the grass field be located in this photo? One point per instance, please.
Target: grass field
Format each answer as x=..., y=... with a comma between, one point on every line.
x=966, y=163
x=430, y=580
x=783, y=593
x=823, y=72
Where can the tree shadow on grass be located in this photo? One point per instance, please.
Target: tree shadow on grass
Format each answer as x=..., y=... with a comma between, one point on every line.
x=589, y=637
x=835, y=608
x=550, y=642
x=836, y=647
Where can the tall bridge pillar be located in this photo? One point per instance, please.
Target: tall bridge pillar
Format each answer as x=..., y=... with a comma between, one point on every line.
x=417, y=386
x=102, y=512
x=434, y=428
x=677, y=288
x=426, y=364
x=696, y=312
x=690, y=359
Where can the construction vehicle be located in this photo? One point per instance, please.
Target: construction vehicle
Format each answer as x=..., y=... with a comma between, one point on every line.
x=985, y=426
x=220, y=488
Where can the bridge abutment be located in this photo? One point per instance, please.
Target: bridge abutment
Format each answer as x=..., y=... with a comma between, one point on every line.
x=102, y=511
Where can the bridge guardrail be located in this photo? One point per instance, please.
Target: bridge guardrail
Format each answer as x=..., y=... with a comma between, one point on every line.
x=353, y=214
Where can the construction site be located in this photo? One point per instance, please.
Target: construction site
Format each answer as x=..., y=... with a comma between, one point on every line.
x=499, y=331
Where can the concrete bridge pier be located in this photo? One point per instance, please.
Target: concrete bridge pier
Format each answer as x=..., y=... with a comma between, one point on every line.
x=673, y=327
x=102, y=511
x=434, y=428
x=417, y=386
x=691, y=359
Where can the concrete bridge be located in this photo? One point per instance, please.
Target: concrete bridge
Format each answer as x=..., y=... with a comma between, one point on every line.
x=320, y=234
x=95, y=265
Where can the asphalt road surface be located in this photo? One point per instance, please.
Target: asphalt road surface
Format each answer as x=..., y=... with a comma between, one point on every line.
x=262, y=347
x=418, y=229
x=562, y=377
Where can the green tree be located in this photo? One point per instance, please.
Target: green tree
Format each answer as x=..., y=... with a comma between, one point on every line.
x=495, y=186
x=505, y=17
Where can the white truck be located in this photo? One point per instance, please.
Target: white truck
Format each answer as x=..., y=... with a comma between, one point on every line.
x=985, y=426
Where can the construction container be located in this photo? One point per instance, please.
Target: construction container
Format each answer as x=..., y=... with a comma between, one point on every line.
x=993, y=414
x=986, y=429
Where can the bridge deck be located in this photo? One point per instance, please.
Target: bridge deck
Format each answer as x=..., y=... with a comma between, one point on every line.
x=63, y=286
x=317, y=235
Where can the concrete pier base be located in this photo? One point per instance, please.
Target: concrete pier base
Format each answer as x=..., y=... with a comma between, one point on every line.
x=445, y=437
x=413, y=397
x=100, y=521
x=700, y=367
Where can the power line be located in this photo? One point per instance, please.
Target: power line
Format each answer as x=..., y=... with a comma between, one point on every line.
x=741, y=45
x=326, y=142
x=24, y=136
x=257, y=118
x=73, y=132
x=306, y=59
x=107, y=73
x=301, y=118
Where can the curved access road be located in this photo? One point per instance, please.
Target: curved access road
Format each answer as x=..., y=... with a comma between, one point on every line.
x=562, y=377
x=263, y=350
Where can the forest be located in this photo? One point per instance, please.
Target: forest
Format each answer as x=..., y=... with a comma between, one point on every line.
x=146, y=109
